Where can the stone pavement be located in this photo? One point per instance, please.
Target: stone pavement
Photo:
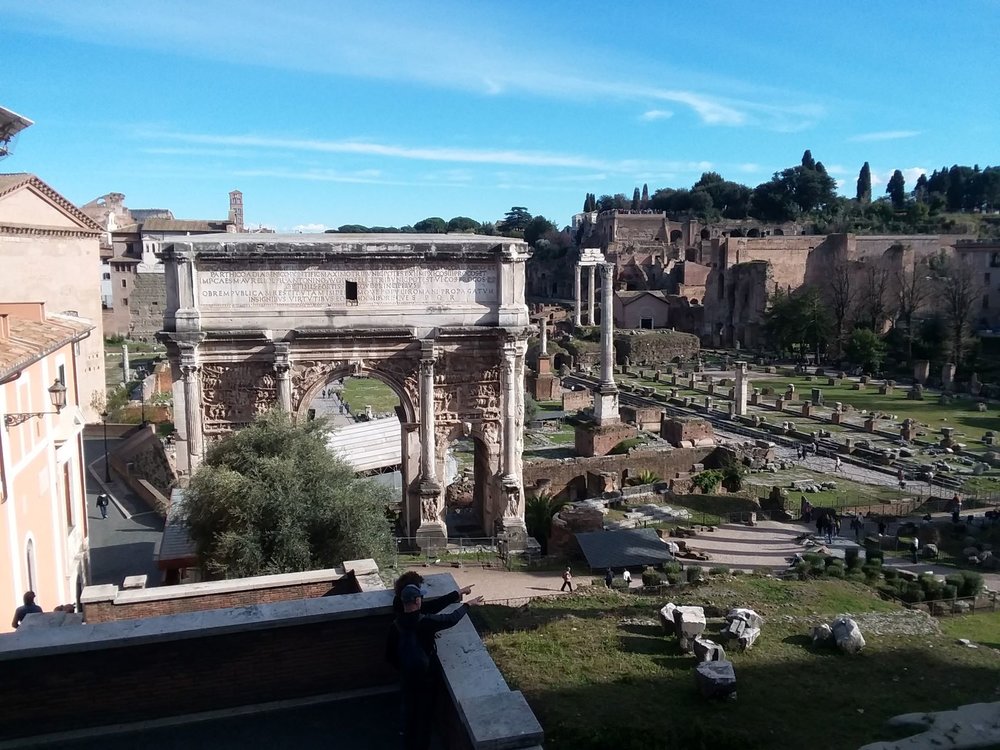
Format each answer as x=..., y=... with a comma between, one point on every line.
x=125, y=542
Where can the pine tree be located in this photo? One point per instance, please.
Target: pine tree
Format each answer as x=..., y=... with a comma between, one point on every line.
x=896, y=190
x=865, y=184
x=635, y=200
x=645, y=195
x=807, y=160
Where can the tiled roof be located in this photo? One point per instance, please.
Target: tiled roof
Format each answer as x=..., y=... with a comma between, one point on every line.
x=11, y=182
x=31, y=340
x=184, y=225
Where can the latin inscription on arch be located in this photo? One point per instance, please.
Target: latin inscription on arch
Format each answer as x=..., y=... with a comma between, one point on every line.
x=339, y=287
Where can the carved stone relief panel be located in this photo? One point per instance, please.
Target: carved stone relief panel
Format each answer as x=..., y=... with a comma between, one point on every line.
x=234, y=394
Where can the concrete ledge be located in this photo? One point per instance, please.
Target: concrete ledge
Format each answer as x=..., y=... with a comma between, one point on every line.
x=193, y=625
x=493, y=717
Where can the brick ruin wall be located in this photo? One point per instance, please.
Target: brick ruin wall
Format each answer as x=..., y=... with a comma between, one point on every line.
x=569, y=477
x=655, y=347
x=148, y=297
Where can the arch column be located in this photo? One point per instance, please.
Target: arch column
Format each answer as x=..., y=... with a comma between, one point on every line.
x=510, y=521
x=282, y=368
x=190, y=376
x=431, y=533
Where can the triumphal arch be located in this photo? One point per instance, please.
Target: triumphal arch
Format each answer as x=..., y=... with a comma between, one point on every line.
x=255, y=322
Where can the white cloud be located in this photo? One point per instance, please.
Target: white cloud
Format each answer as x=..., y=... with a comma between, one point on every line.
x=910, y=174
x=656, y=114
x=748, y=167
x=310, y=228
x=506, y=157
x=407, y=43
x=884, y=135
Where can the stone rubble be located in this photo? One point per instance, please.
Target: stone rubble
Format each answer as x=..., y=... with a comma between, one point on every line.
x=716, y=679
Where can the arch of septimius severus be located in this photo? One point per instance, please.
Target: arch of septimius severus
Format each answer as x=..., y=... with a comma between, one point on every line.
x=254, y=323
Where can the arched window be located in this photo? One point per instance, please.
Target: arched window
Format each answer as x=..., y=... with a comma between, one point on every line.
x=30, y=555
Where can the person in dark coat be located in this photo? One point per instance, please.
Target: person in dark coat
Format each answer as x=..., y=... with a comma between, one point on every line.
x=608, y=578
x=411, y=647
x=28, y=608
x=428, y=606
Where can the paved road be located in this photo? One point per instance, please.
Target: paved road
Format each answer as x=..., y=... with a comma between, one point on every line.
x=124, y=543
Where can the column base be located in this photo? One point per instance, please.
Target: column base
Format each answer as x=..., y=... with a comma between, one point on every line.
x=606, y=410
x=432, y=535
x=513, y=532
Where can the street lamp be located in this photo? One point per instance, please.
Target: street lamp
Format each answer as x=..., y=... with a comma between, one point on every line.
x=57, y=395
x=107, y=466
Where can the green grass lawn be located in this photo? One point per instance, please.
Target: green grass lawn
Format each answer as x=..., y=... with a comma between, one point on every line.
x=599, y=672
x=359, y=392
x=983, y=629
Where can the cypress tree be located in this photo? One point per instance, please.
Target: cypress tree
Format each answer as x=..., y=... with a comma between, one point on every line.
x=865, y=184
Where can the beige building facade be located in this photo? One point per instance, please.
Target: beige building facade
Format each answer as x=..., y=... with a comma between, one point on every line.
x=49, y=252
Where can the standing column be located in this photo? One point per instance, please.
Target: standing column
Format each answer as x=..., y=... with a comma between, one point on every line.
x=590, y=297
x=577, y=297
x=545, y=337
x=192, y=410
x=606, y=396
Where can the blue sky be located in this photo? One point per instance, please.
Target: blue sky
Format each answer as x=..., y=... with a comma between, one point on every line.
x=327, y=113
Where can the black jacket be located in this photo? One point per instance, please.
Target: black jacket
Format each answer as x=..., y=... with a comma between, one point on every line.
x=427, y=627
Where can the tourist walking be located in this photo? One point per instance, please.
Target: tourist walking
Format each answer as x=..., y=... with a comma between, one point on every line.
x=857, y=525
x=28, y=608
x=102, y=504
x=608, y=578
x=567, y=577
x=410, y=647
x=837, y=464
x=627, y=576
x=914, y=546
x=956, y=508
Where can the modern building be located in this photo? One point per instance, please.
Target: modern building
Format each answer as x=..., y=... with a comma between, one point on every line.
x=43, y=509
x=50, y=252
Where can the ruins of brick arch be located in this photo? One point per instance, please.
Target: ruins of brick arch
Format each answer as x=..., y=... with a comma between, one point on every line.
x=256, y=322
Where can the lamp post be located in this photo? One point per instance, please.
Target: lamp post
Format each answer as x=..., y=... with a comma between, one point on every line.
x=107, y=466
x=142, y=403
x=57, y=395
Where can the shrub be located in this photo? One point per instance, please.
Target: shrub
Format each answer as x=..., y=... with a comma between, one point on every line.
x=694, y=574
x=625, y=446
x=956, y=580
x=972, y=583
x=855, y=575
x=707, y=481
x=834, y=571
x=852, y=556
x=891, y=574
x=913, y=594
x=814, y=558
x=674, y=578
x=651, y=577
x=719, y=570
x=672, y=567
x=948, y=592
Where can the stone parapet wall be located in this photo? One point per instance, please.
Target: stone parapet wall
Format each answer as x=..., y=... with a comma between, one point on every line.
x=205, y=661
x=653, y=348
x=109, y=604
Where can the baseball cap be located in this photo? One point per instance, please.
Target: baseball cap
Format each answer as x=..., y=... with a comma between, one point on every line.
x=410, y=593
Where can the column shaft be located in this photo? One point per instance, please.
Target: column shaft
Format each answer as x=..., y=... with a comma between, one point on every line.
x=591, y=319
x=192, y=415
x=428, y=460
x=509, y=410
x=577, y=297
x=607, y=325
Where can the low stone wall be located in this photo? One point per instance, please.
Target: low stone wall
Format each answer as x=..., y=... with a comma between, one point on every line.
x=142, y=456
x=653, y=348
x=107, y=603
x=204, y=661
x=717, y=505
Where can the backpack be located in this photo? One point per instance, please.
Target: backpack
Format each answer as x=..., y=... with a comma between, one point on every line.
x=411, y=657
